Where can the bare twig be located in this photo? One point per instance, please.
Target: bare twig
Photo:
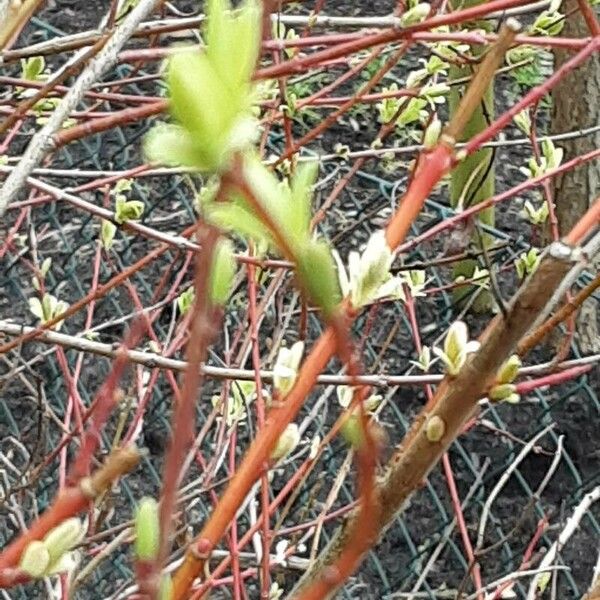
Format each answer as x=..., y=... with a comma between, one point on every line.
x=40, y=143
x=571, y=525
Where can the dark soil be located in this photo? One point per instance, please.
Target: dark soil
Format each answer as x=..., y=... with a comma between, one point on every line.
x=33, y=391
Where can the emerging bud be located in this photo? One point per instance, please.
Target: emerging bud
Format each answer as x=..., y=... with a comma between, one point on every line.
x=435, y=428
x=456, y=348
x=415, y=15
x=509, y=370
x=287, y=442
x=35, y=559
x=432, y=133
x=506, y=392
x=63, y=538
x=352, y=431
x=222, y=272
x=147, y=530
x=286, y=367
x=368, y=277
x=527, y=262
x=127, y=210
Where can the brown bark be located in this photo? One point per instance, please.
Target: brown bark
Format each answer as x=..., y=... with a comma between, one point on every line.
x=576, y=105
x=455, y=401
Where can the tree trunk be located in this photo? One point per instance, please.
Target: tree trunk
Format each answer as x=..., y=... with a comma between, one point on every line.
x=473, y=179
x=576, y=105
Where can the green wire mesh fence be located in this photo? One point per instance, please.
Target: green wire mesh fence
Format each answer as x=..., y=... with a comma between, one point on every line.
x=422, y=554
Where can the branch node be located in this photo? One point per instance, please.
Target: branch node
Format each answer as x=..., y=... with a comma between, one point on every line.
x=563, y=252
x=87, y=488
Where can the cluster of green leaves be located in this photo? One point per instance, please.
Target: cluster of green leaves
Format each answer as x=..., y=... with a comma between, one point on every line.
x=533, y=65
x=242, y=393
x=125, y=209
x=550, y=159
x=457, y=347
x=48, y=308
x=288, y=205
x=410, y=114
x=536, y=216
x=211, y=93
x=527, y=262
x=504, y=390
x=211, y=97
x=537, y=61
x=54, y=554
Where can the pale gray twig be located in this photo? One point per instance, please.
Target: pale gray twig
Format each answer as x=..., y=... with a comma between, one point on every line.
x=152, y=360
x=502, y=482
x=568, y=530
x=41, y=143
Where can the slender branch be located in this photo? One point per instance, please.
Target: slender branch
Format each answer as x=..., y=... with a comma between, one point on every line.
x=535, y=95
x=472, y=97
x=590, y=17
x=107, y=397
x=502, y=482
x=535, y=337
x=457, y=397
x=300, y=64
x=570, y=526
x=41, y=143
x=201, y=333
x=95, y=294
x=585, y=225
x=364, y=532
x=15, y=15
x=152, y=360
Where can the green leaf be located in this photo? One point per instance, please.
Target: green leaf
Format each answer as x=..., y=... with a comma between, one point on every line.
x=267, y=189
x=49, y=304
x=412, y=112
x=216, y=27
x=107, y=233
x=233, y=42
x=122, y=185
x=185, y=300
x=128, y=210
x=301, y=196
x=222, y=272
x=45, y=267
x=317, y=272
x=352, y=431
x=165, y=590
x=235, y=216
x=415, y=15
x=200, y=101
x=172, y=145
x=286, y=443
x=35, y=307
x=503, y=391
x=32, y=68
x=509, y=370
x=63, y=538
x=147, y=531
x=35, y=559
x=126, y=7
